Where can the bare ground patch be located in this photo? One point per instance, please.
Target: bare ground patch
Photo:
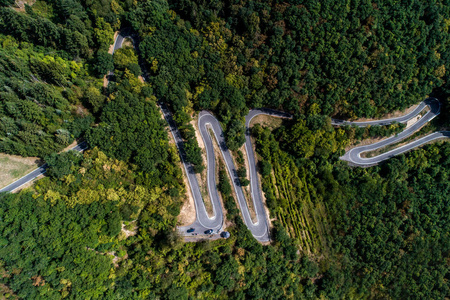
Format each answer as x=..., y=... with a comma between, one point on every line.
x=127, y=42
x=266, y=120
x=111, y=47
x=19, y=5
x=129, y=229
x=13, y=167
x=187, y=211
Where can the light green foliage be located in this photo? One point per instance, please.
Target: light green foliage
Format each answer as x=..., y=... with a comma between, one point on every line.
x=37, y=112
x=103, y=33
x=124, y=57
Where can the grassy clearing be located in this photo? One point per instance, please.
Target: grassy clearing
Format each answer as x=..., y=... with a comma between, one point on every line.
x=267, y=121
x=13, y=167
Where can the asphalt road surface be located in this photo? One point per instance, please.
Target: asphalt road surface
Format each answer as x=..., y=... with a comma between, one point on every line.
x=260, y=228
x=39, y=171
x=354, y=155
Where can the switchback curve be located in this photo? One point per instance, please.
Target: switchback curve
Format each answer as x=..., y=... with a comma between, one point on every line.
x=353, y=156
x=259, y=229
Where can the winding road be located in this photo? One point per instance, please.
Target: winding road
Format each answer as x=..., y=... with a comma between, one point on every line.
x=353, y=156
x=260, y=228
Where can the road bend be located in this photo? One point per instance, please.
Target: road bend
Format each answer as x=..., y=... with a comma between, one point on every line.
x=353, y=156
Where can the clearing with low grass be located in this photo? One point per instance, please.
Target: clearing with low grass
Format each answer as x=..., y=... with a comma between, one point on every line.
x=12, y=167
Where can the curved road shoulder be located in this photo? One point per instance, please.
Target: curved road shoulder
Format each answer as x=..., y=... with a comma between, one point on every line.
x=354, y=155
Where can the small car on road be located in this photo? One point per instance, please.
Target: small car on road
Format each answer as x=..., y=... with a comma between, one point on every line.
x=209, y=231
x=191, y=230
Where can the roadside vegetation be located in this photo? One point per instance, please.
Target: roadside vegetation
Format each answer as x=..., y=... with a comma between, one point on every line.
x=369, y=228
x=102, y=224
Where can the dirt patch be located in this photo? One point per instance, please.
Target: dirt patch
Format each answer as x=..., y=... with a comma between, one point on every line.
x=187, y=211
x=364, y=142
x=19, y=5
x=199, y=238
x=394, y=114
x=127, y=42
x=13, y=167
x=128, y=232
x=202, y=177
x=111, y=47
x=74, y=143
x=266, y=120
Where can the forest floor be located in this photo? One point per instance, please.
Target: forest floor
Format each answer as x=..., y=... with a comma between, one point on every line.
x=13, y=167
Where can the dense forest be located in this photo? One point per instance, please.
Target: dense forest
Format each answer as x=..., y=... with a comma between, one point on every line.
x=41, y=92
x=383, y=229
x=102, y=225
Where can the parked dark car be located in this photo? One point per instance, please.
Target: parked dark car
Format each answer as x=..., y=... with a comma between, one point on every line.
x=209, y=231
x=191, y=230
